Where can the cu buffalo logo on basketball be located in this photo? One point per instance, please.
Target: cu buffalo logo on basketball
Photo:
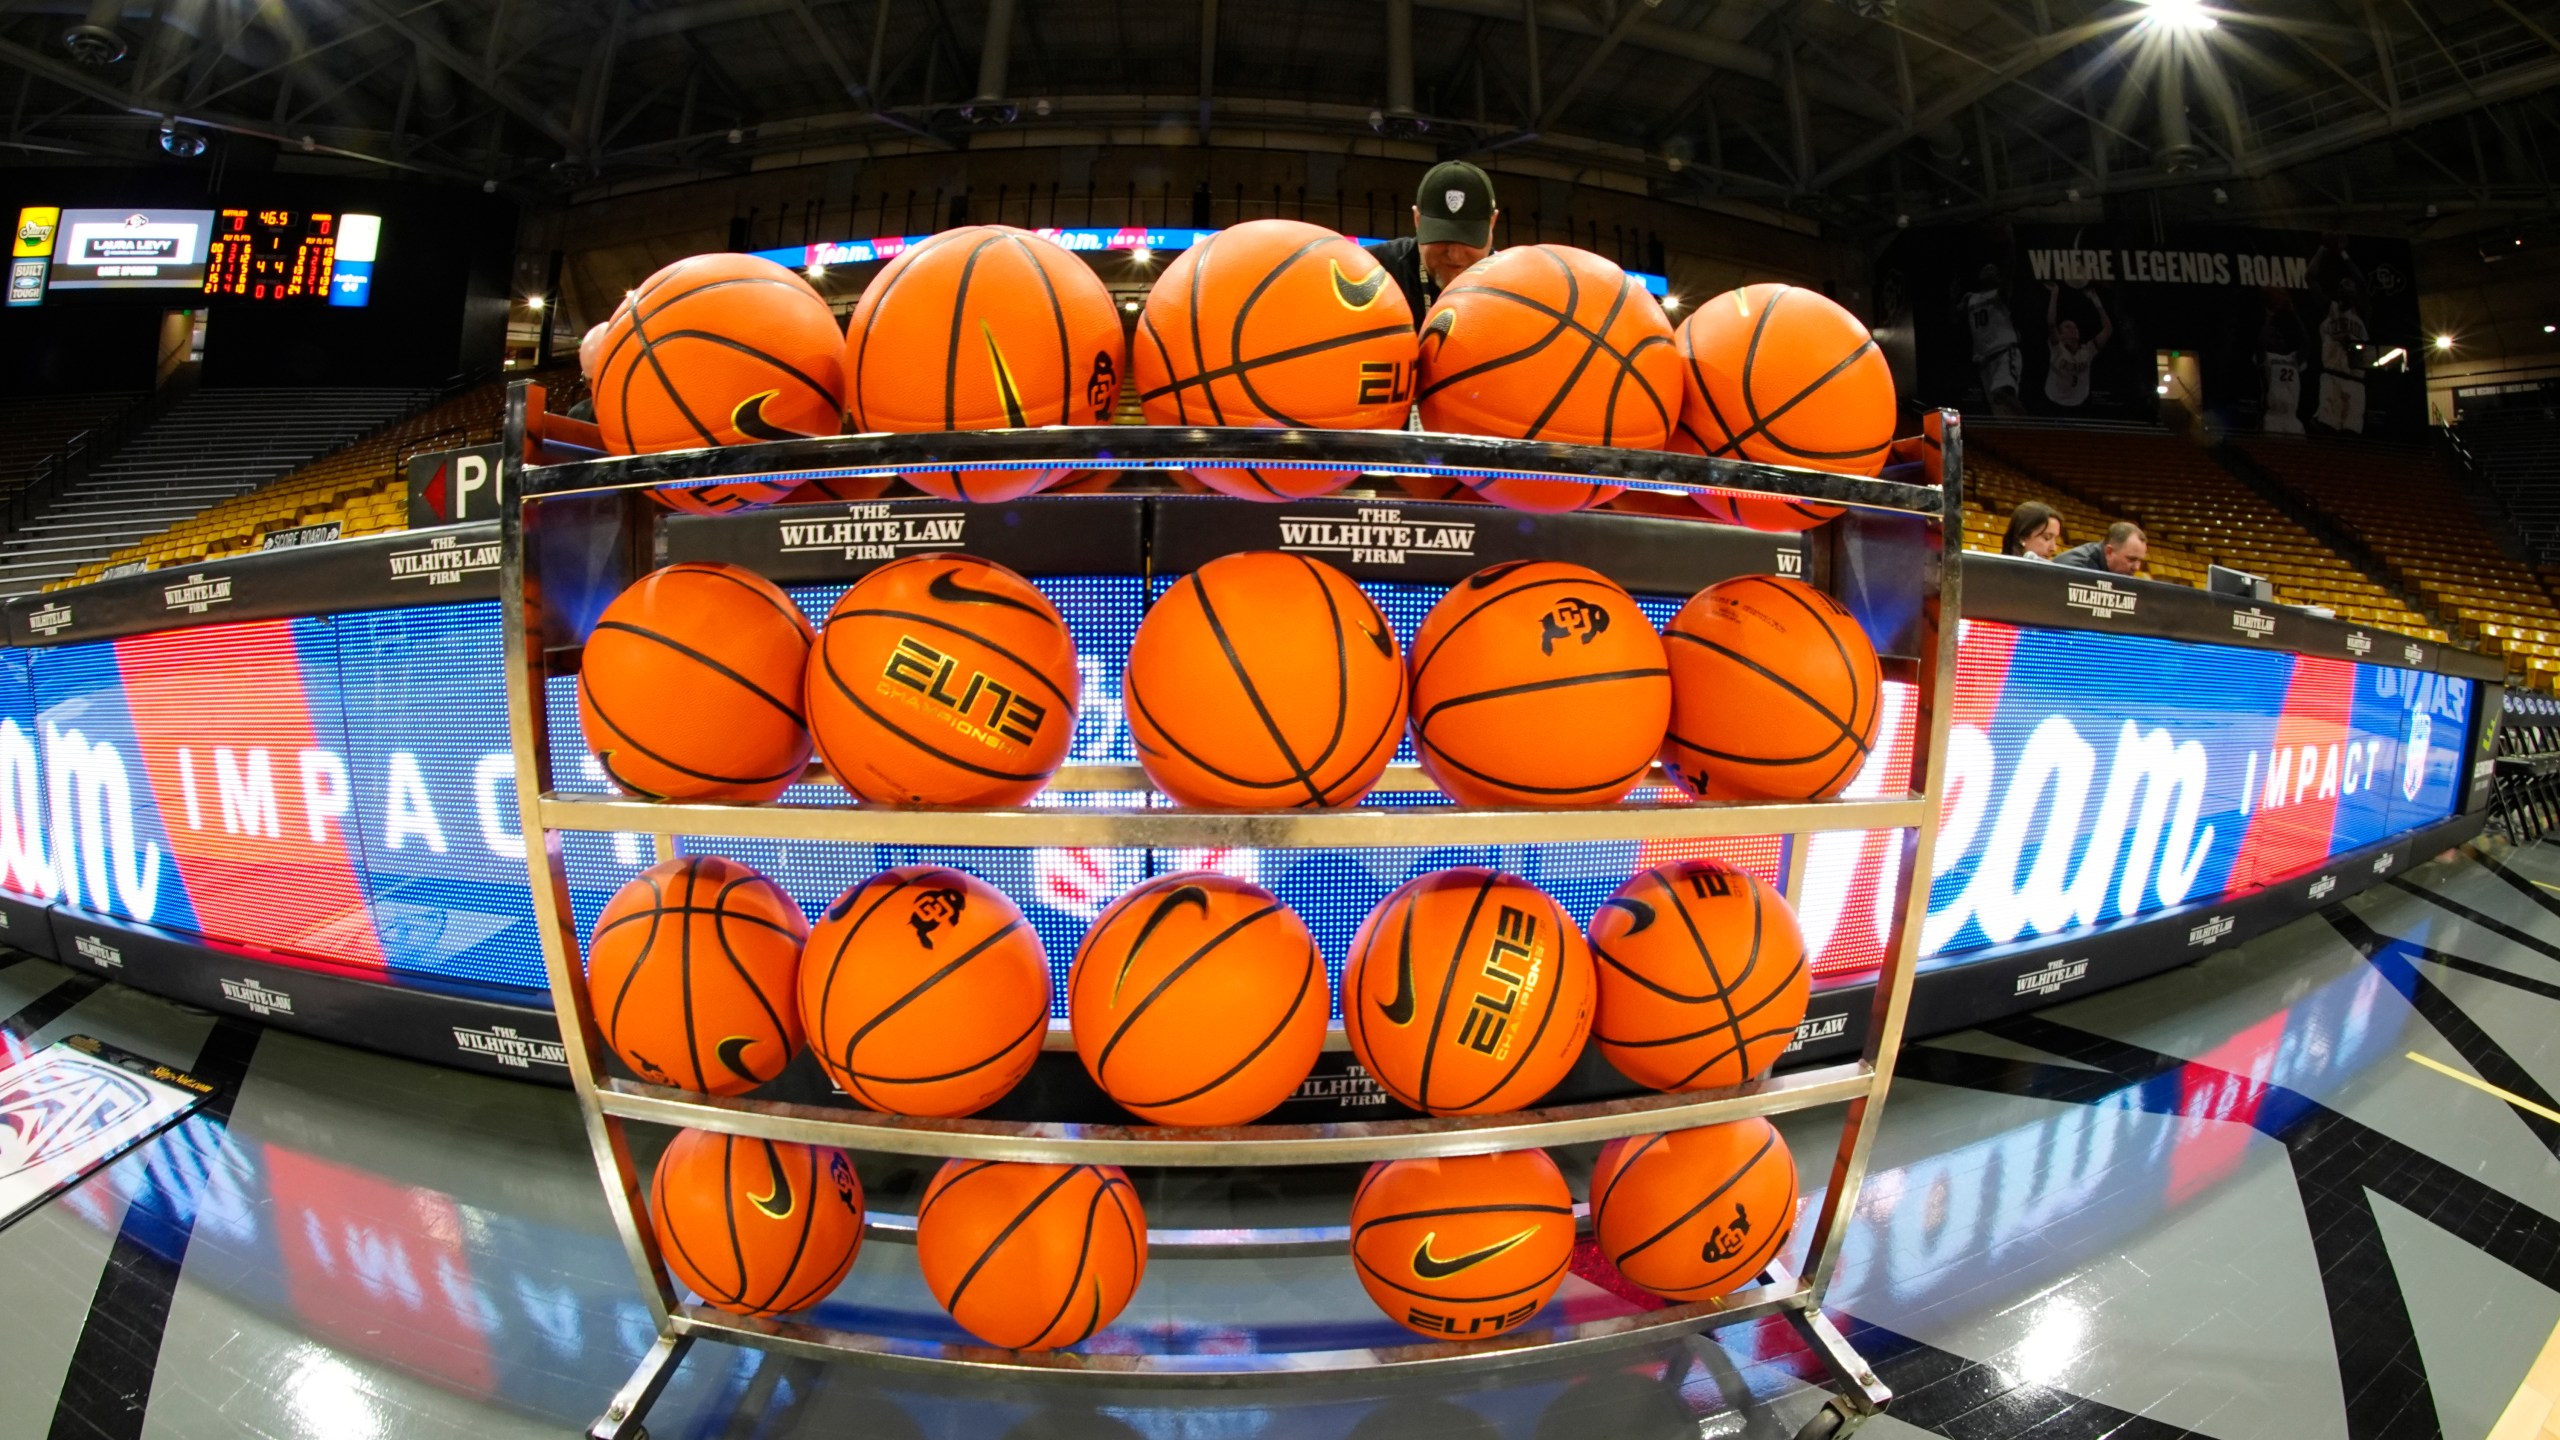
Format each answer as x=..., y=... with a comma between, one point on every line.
x=1571, y=618
x=980, y=708
x=1102, y=389
x=1729, y=1239
x=937, y=909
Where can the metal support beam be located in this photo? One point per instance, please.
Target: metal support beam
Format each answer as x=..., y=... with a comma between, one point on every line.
x=879, y=55
x=1799, y=117
x=1953, y=102
x=1400, y=57
x=1634, y=13
x=1537, y=76
x=1208, y=63
x=474, y=71
x=997, y=54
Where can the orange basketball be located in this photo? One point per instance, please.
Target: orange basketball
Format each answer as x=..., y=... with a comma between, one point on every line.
x=1538, y=683
x=983, y=328
x=755, y=1227
x=1548, y=497
x=1774, y=692
x=723, y=499
x=1198, y=999
x=943, y=680
x=1694, y=1214
x=1702, y=976
x=1275, y=323
x=718, y=350
x=1462, y=1248
x=827, y=488
x=735, y=648
x=1927, y=449
x=1265, y=680
x=1547, y=342
x=1467, y=992
x=1784, y=376
x=1031, y=1257
x=690, y=974
x=924, y=992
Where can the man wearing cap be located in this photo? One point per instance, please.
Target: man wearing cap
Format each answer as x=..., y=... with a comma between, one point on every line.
x=1453, y=215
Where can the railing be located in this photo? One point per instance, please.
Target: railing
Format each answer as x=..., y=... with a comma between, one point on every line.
x=83, y=453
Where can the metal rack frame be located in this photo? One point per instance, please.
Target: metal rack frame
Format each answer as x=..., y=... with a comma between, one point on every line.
x=607, y=1104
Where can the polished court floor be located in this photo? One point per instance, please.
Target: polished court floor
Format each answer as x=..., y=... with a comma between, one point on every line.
x=2287, y=1192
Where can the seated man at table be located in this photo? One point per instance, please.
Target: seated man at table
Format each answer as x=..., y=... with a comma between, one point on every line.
x=2121, y=552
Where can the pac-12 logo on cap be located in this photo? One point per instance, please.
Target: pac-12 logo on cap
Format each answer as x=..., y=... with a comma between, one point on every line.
x=1457, y=200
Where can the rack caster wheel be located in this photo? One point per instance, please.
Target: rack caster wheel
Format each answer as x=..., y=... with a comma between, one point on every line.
x=1833, y=1420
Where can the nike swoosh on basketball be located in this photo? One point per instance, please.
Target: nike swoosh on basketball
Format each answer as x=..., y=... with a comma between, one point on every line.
x=1358, y=294
x=947, y=588
x=1432, y=1267
x=1638, y=910
x=732, y=1052
x=1400, y=1010
x=748, y=419
x=778, y=1202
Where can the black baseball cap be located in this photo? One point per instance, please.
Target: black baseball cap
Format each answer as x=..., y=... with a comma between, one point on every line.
x=1456, y=201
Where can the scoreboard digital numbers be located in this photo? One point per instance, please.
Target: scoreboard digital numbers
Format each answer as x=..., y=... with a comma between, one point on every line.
x=253, y=254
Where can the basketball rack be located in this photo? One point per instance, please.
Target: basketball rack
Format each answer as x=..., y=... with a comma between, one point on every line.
x=568, y=504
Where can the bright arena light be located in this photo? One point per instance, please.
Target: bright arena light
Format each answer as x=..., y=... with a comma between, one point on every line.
x=2444, y=342
x=2179, y=14
x=533, y=302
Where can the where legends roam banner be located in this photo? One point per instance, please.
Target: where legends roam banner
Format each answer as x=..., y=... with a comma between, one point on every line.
x=338, y=792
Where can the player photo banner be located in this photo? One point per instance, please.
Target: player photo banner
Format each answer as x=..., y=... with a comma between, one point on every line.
x=2281, y=331
x=75, y=1105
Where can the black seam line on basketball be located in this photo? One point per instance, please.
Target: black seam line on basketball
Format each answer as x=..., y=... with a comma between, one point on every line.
x=1562, y=323
x=1440, y=1211
x=1203, y=379
x=1423, y=659
x=1058, y=312
x=1164, y=354
x=899, y=268
x=823, y=1283
x=1706, y=392
x=1270, y=1038
x=1341, y=665
x=1795, y=596
x=997, y=1243
x=959, y=322
x=604, y=366
x=854, y=1041
x=1767, y=1141
x=1137, y=705
x=1772, y=761
x=729, y=1215
x=1132, y=1230
x=1236, y=667
x=1660, y=1041
x=1533, y=687
x=886, y=724
x=106, y=1384
x=1600, y=1195
x=1244, y=312
x=1698, y=942
x=1002, y=1053
x=1565, y=322
x=1760, y=424
x=1591, y=347
x=1783, y=683
x=808, y=1210
x=1200, y=356
x=636, y=915
x=719, y=917
x=612, y=1026
x=819, y=1032
x=1751, y=362
x=1075, y=1277
x=1504, y=782
x=935, y=1192
x=1667, y=411
x=1390, y=729
x=727, y=343
x=725, y=576
x=684, y=1252
x=1546, y=1017
x=649, y=352
x=1179, y=969
x=625, y=736
x=917, y=617
x=1449, y=981
x=684, y=988
x=1742, y=1052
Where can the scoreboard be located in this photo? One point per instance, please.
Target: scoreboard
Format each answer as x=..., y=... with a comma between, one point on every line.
x=254, y=254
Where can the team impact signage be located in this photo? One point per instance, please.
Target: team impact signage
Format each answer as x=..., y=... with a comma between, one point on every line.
x=2281, y=331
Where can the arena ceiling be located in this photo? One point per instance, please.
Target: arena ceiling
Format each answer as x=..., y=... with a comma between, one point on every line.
x=2360, y=113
